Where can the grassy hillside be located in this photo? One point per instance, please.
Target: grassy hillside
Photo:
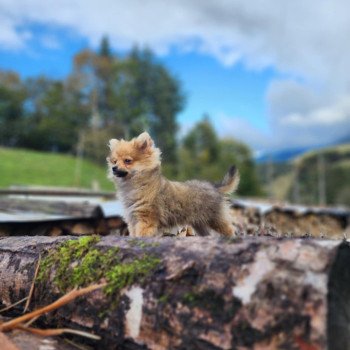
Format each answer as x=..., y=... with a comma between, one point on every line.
x=332, y=163
x=24, y=167
x=271, y=171
x=336, y=164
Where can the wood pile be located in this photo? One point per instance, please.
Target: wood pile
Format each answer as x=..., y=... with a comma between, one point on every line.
x=253, y=218
x=282, y=283
x=56, y=218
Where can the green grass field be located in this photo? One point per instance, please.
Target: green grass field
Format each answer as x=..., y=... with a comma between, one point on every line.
x=23, y=167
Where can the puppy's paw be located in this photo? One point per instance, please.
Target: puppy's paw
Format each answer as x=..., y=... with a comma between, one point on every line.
x=145, y=230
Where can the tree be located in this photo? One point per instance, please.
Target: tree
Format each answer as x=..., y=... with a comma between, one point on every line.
x=53, y=117
x=234, y=152
x=105, y=48
x=167, y=103
x=104, y=96
x=129, y=95
x=105, y=66
x=12, y=96
x=148, y=98
x=200, y=152
x=204, y=156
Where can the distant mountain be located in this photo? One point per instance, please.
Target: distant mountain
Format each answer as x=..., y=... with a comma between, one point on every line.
x=285, y=155
x=343, y=140
x=281, y=155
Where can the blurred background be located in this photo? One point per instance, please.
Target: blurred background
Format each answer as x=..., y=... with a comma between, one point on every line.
x=264, y=85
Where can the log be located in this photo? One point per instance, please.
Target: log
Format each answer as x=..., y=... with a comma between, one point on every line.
x=21, y=340
x=256, y=217
x=55, y=208
x=194, y=292
x=6, y=343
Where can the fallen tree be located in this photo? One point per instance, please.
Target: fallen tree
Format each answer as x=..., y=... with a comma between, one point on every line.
x=187, y=293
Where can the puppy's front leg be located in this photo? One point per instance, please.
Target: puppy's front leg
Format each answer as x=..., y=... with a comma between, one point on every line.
x=145, y=229
x=131, y=229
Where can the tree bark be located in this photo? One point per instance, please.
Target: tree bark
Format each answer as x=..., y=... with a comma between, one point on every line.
x=205, y=293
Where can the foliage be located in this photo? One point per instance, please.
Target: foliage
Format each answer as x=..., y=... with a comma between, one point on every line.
x=53, y=121
x=204, y=156
x=12, y=96
x=95, y=142
x=148, y=98
x=128, y=96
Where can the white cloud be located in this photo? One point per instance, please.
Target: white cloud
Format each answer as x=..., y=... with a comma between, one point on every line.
x=10, y=37
x=50, y=42
x=303, y=115
x=328, y=116
x=240, y=129
x=306, y=39
x=303, y=37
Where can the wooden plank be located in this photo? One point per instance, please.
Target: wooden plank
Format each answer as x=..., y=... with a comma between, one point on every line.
x=55, y=192
x=24, y=210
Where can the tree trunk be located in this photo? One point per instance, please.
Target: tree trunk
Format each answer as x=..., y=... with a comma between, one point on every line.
x=203, y=293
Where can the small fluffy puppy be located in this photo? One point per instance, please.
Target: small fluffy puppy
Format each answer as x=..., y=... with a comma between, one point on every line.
x=154, y=204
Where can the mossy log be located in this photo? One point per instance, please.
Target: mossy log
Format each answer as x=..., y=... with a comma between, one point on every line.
x=189, y=293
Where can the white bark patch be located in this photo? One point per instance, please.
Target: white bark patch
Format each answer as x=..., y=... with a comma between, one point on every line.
x=134, y=314
x=259, y=269
x=317, y=280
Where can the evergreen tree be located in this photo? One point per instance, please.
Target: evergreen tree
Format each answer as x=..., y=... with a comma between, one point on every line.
x=204, y=156
x=148, y=98
x=12, y=97
x=105, y=49
x=53, y=120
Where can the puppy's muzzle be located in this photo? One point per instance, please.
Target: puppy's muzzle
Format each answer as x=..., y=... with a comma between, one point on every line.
x=118, y=172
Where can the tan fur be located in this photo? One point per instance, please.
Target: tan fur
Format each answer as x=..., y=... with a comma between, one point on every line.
x=154, y=204
x=229, y=183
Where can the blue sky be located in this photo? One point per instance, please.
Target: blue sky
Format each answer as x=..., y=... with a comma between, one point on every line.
x=263, y=71
x=214, y=89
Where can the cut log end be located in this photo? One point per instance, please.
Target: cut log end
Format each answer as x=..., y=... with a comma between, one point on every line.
x=338, y=321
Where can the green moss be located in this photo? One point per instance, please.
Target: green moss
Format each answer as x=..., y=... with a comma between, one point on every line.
x=92, y=266
x=61, y=258
x=77, y=263
x=122, y=275
x=135, y=242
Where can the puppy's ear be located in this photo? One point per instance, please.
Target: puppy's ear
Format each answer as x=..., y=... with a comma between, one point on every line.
x=113, y=143
x=144, y=141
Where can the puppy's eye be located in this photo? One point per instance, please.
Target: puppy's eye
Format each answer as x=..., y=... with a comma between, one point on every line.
x=127, y=161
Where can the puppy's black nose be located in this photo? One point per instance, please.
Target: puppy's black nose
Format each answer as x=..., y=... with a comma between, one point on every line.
x=119, y=173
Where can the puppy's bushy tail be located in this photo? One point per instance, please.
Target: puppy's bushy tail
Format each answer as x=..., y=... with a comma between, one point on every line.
x=230, y=182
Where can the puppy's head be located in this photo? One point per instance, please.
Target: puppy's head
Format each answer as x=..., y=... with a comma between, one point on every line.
x=130, y=157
